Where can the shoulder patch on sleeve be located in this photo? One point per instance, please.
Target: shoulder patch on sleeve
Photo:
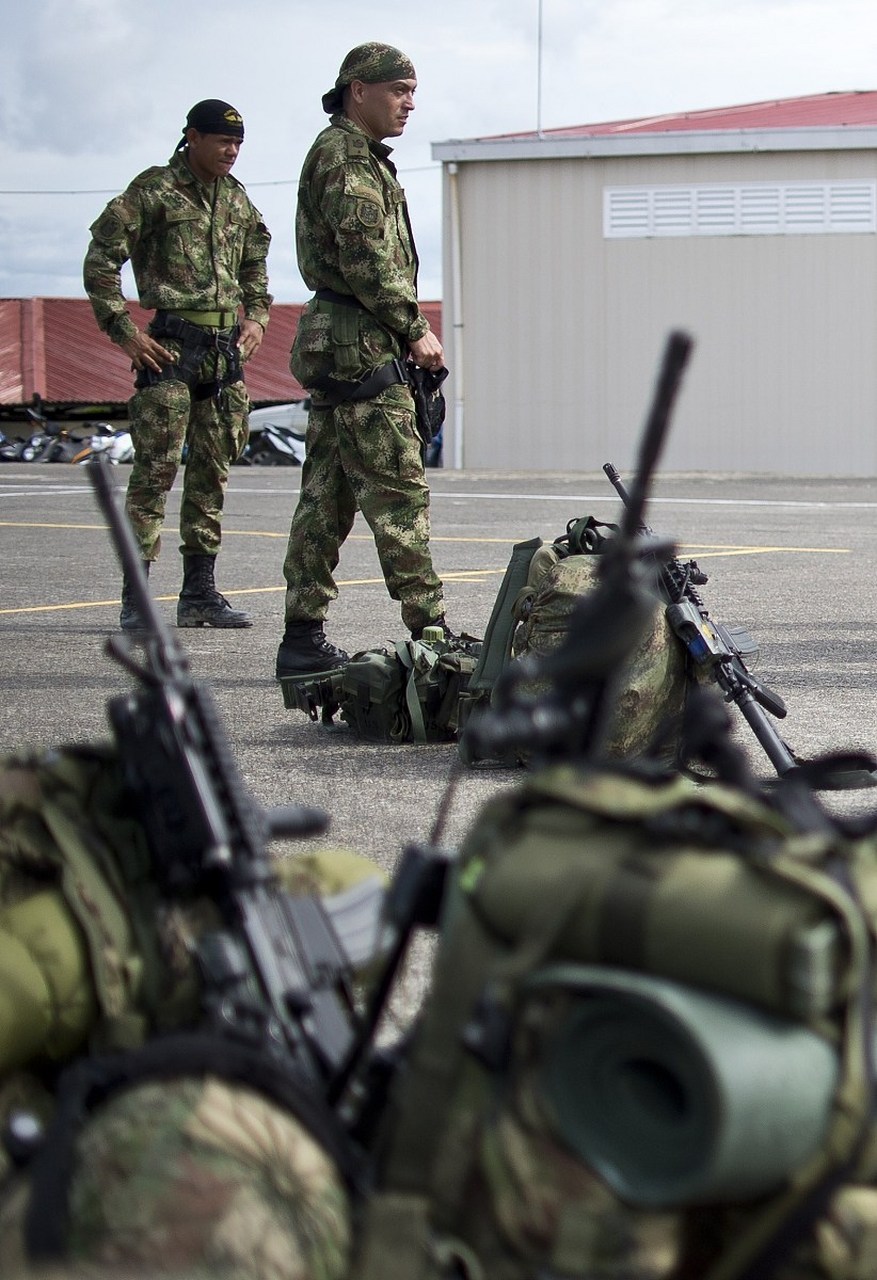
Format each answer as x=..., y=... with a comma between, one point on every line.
x=357, y=147
x=369, y=213
x=111, y=223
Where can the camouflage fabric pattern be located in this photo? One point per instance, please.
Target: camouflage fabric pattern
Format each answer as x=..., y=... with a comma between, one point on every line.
x=196, y=1178
x=363, y=455
x=89, y=953
x=373, y=63
x=73, y=884
x=504, y=1180
x=652, y=687
x=353, y=235
x=537, y=1206
x=162, y=419
x=188, y=251
x=531, y=1200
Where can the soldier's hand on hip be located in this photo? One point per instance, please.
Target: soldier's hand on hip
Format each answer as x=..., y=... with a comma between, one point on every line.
x=146, y=353
x=250, y=339
x=427, y=352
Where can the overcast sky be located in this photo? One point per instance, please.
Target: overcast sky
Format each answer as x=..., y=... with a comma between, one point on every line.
x=94, y=91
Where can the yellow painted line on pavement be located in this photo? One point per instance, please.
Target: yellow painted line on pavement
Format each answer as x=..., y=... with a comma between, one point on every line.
x=717, y=553
x=458, y=575
x=464, y=575
x=44, y=524
x=239, y=533
x=705, y=549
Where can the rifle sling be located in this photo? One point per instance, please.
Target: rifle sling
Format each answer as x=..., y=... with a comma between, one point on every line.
x=497, y=646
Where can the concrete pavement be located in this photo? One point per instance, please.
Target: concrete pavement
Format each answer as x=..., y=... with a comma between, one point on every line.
x=794, y=560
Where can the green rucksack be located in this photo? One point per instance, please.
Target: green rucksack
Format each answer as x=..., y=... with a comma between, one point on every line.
x=542, y=586
x=650, y=1001
x=410, y=693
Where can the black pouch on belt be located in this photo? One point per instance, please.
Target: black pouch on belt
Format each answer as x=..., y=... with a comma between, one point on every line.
x=429, y=400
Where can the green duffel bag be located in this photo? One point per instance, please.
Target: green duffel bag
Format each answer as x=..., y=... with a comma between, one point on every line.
x=409, y=694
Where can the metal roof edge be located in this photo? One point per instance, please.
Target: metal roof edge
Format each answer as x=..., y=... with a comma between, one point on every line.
x=678, y=142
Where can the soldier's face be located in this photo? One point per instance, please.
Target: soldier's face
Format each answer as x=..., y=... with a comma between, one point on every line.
x=211, y=155
x=382, y=110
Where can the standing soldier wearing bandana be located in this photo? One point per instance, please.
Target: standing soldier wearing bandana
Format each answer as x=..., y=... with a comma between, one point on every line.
x=356, y=251
x=198, y=248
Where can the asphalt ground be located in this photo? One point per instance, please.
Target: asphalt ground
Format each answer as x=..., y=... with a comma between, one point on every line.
x=794, y=560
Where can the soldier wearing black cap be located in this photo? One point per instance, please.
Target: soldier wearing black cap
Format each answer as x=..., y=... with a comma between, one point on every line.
x=356, y=252
x=198, y=248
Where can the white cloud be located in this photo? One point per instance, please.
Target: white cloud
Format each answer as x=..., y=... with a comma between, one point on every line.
x=95, y=90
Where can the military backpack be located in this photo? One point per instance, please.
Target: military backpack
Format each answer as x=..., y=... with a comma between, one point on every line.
x=646, y=1049
x=542, y=585
x=410, y=693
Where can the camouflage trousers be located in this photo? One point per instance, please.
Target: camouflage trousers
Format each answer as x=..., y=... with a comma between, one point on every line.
x=364, y=456
x=164, y=418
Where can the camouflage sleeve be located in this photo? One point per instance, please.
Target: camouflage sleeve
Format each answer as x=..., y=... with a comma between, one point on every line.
x=375, y=252
x=253, y=274
x=113, y=237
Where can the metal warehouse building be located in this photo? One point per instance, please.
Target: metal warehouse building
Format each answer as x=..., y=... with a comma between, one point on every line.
x=570, y=254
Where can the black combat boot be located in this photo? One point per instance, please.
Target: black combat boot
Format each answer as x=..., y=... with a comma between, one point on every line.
x=304, y=649
x=129, y=618
x=200, y=604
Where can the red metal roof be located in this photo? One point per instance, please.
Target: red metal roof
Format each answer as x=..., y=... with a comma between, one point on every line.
x=52, y=347
x=820, y=110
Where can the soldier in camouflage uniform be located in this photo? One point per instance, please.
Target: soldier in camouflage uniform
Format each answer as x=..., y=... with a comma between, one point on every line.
x=198, y=248
x=356, y=251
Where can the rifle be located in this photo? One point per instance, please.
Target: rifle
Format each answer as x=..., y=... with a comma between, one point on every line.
x=277, y=972
x=720, y=652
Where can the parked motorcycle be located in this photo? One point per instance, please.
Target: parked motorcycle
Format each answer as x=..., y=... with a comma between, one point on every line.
x=115, y=442
x=277, y=435
x=10, y=450
x=274, y=446
x=51, y=442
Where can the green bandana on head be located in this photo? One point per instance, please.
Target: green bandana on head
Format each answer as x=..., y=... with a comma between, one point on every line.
x=373, y=63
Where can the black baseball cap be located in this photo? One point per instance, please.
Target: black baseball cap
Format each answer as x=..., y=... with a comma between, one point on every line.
x=213, y=116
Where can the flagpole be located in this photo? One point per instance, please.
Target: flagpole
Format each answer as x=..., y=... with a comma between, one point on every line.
x=539, y=74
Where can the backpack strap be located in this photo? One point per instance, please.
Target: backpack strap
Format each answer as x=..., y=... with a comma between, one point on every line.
x=399, y=1226
x=415, y=658
x=496, y=648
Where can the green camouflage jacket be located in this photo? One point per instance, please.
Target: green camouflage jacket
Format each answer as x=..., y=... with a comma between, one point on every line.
x=352, y=229
x=191, y=248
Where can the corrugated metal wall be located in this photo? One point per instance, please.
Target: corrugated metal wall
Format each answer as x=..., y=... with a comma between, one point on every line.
x=562, y=329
